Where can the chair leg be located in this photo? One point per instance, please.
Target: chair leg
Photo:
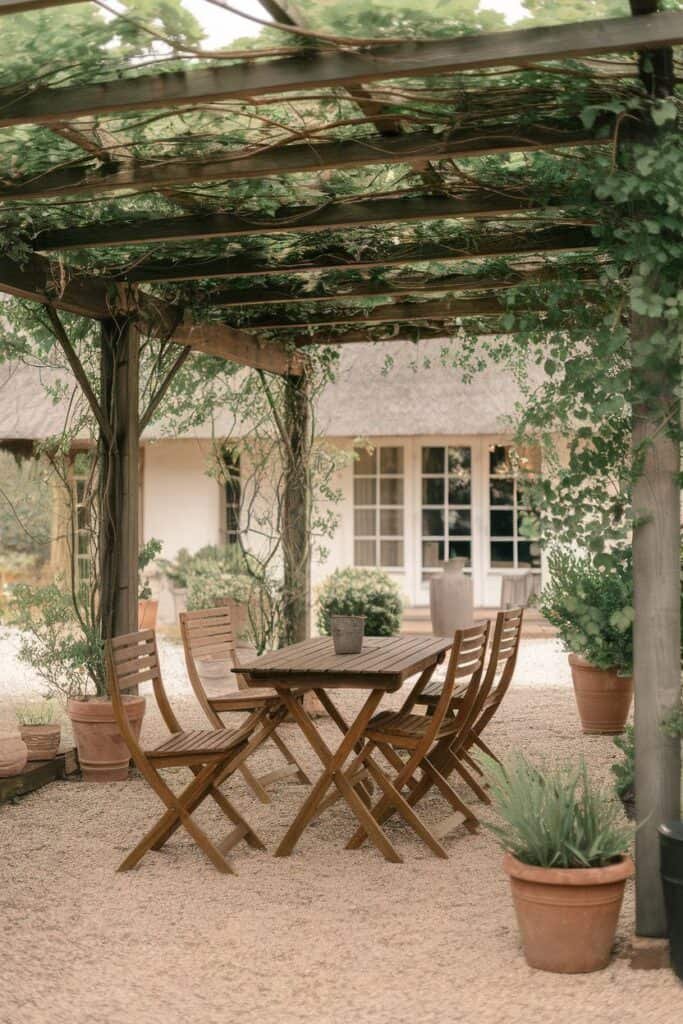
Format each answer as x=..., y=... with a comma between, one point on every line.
x=405, y=810
x=467, y=777
x=486, y=750
x=471, y=821
x=290, y=758
x=254, y=784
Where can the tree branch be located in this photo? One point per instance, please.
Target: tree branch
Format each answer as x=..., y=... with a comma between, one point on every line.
x=78, y=371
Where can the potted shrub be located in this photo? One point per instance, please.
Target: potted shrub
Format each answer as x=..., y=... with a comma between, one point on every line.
x=38, y=730
x=567, y=860
x=147, y=608
x=361, y=592
x=61, y=640
x=592, y=608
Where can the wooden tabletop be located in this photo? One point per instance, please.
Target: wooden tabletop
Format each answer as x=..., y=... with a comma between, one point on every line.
x=385, y=662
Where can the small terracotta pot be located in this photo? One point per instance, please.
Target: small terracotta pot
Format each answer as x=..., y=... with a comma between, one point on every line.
x=602, y=697
x=147, y=614
x=13, y=755
x=567, y=916
x=42, y=741
x=102, y=752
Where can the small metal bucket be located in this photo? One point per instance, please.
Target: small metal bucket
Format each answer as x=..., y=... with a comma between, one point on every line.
x=347, y=633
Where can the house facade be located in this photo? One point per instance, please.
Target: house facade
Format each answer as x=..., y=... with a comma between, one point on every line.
x=428, y=475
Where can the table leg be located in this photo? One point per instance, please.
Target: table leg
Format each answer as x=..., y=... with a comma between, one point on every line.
x=334, y=774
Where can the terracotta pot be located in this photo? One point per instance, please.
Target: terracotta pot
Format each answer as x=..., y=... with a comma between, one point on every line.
x=102, y=752
x=567, y=916
x=13, y=755
x=42, y=741
x=147, y=614
x=602, y=697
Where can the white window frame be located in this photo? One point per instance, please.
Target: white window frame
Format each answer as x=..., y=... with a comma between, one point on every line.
x=378, y=507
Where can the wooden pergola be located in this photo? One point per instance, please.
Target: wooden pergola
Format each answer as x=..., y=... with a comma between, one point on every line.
x=310, y=306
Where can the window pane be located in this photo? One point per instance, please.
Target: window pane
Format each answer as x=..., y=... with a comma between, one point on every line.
x=529, y=459
x=527, y=524
x=433, y=491
x=433, y=460
x=528, y=555
x=391, y=552
x=366, y=463
x=82, y=518
x=83, y=544
x=391, y=491
x=499, y=463
x=432, y=553
x=391, y=460
x=365, y=522
x=364, y=552
x=433, y=523
x=364, y=492
x=458, y=522
x=459, y=490
x=460, y=549
x=501, y=491
x=502, y=554
x=501, y=524
x=390, y=523
x=459, y=460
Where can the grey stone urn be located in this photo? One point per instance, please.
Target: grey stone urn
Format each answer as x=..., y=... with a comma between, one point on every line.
x=451, y=601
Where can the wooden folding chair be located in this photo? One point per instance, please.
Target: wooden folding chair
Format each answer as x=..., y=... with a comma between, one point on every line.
x=212, y=756
x=500, y=669
x=209, y=634
x=426, y=738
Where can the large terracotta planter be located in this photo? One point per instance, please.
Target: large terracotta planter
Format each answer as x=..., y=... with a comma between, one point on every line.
x=567, y=916
x=102, y=752
x=147, y=614
x=13, y=755
x=42, y=741
x=602, y=697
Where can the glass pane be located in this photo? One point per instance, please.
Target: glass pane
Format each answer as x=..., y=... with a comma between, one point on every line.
x=433, y=491
x=459, y=491
x=433, y=460
x=459, y=460
x=364, y=552
x=232, y=519
x=458, y=522
x=502, y=554
x=501, y=524
x=83, y=544
x=528, y=554
x=391, y=491
x=501, y=491
x=527, y=524
x=391, y=460
x=391, y=523
x=432, y=553
x=460, y=549
x=366, y=462
x=80, y=490
x=499, y=462
x=365, y=492
x=432, y=522
x=391, y=552
x=364, y=522
x=232, y=492
x=82, y=518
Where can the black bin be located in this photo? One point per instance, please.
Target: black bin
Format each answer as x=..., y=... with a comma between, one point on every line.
x=671, y=867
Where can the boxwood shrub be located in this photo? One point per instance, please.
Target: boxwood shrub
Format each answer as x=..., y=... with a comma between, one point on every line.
x=368, y=592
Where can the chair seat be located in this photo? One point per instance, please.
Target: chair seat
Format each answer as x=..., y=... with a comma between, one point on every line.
x=433, y=689
x=198, y=743
x=406, y=726
x=245, y=700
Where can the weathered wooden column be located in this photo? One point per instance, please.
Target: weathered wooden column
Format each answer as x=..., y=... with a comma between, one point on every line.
x=119, y=477
x=296, y=545
x=656, y=556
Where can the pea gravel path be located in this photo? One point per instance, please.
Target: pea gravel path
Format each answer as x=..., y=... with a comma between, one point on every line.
x=324, y=937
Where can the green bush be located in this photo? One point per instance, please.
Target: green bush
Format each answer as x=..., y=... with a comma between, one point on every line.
x=624, y=771
x=368, y=592
x=36, y=713
x=209, y=582
x=555, y=818
x=592, y=608
x=184, y=565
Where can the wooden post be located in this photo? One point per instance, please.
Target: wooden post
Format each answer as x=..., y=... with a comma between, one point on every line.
x=296, y=512
x=118, y=478
x=656, y=631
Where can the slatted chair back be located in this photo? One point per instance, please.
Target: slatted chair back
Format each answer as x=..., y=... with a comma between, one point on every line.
x=466, y=663
x=208, y=634
x=502, y=657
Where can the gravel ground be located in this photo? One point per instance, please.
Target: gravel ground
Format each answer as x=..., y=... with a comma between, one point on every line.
x=327, y=936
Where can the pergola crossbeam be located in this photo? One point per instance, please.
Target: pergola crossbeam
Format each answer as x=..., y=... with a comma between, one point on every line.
x=318, y=70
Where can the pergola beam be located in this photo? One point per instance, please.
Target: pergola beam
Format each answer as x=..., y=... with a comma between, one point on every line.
x=318, y=70
x=22, y=6
x=476, y=203
x=261, y=296
x=239, y=347
x=470, y=248
x=309, y=157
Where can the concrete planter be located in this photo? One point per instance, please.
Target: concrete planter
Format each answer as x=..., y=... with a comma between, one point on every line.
x=451, y=600
x=347, y=633
x=567, y=916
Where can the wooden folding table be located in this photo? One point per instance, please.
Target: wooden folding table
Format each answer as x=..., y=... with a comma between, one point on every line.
x=382, y=667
